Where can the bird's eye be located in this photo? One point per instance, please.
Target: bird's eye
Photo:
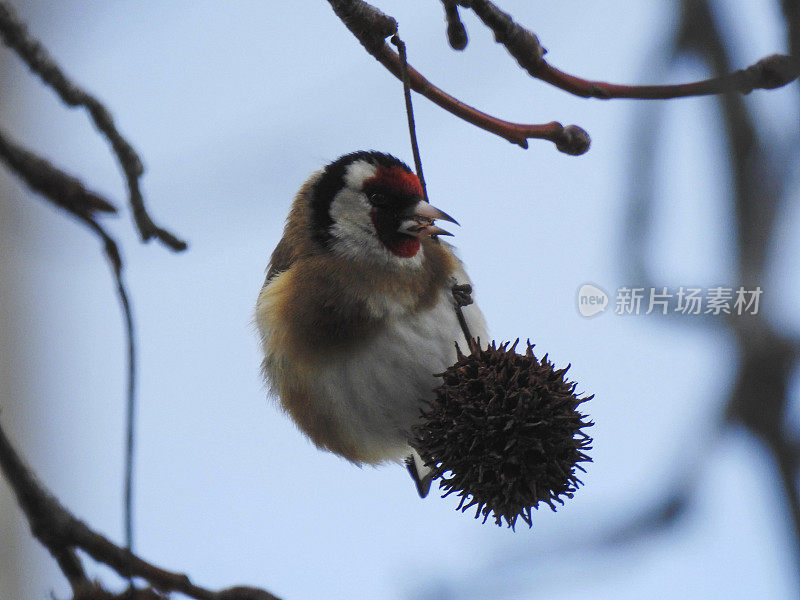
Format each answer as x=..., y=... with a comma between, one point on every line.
x=378, y=199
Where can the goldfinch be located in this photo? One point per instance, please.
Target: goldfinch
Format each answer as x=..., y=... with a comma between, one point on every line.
x=357, y=314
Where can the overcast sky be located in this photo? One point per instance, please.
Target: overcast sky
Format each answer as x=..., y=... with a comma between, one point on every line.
x=232, y=105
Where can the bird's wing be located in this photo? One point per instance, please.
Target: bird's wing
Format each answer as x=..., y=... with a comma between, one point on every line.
x=282, y=258
x=296, y=241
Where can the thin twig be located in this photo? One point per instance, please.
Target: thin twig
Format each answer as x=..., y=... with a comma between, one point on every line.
x=64, y=190
x=768, y=73
x=55, y=527
x=456, y=32
x=30, y=50
x=68, y=193
x=522, y=44
x=35, y=503
x=412, y=128
x=570, y=139
x=371, y=27
x=59, y=531
x=462, y=295
x=112, y=253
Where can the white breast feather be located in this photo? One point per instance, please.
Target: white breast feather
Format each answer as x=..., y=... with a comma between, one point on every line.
x=376, y=392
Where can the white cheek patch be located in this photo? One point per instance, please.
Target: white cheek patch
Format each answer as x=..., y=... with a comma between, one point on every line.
x=352, y=232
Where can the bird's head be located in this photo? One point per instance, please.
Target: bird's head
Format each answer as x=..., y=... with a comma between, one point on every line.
x=369, y=205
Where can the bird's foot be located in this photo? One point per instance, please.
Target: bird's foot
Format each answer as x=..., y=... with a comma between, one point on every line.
x=462, y=293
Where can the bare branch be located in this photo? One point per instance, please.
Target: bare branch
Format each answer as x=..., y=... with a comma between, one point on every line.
x=456, y=33
x=370, y=26
x=412, y=128
x=522, y=44
x=64, y=190
x=570, y=139
x=60, y=532
x=68, y=193
x=768, y=73
x=96, y=592
x=50, y=522
x=363, y=21
x=16, y=36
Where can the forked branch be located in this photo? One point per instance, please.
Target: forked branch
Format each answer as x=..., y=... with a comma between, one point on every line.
x=15, y=35
x=62, y=533
x=768, y=73
x=372, y=27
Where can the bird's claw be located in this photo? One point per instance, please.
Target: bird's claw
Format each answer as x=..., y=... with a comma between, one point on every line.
x=462, y=293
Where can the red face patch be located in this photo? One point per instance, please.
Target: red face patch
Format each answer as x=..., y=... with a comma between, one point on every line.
x=399, y=244
x=401, y=187
x=398, y=179
x=406, y=247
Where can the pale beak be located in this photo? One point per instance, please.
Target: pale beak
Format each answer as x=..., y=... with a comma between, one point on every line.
x=420, y=221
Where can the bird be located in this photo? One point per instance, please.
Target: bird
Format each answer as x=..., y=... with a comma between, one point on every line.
x=357, y=314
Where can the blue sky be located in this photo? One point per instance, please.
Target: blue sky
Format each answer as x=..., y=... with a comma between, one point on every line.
x=231, y=108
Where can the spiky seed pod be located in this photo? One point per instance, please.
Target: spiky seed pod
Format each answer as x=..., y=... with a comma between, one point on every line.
x=506, y=428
